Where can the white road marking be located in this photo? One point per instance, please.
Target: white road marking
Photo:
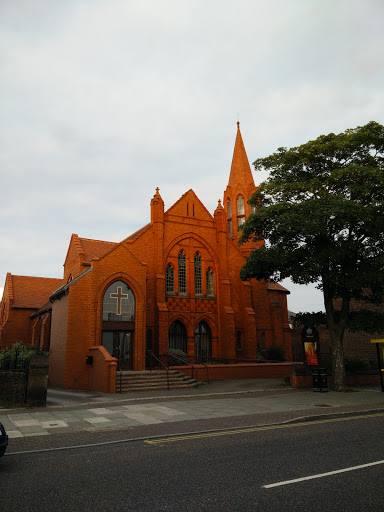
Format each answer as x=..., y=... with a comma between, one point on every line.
x=321, y=475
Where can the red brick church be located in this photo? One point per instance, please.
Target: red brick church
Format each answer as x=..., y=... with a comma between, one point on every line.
x=174, y=284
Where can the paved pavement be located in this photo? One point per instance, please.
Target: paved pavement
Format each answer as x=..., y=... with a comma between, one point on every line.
x=221, y=404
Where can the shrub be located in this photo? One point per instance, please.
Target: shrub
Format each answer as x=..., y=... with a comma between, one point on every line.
x=275, y=353
x=355, y=364
x=17, y=357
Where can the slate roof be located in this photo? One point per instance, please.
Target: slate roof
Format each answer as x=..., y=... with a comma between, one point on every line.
x=33, y=292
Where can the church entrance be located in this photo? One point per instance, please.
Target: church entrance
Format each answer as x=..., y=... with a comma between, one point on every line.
x=120, y=345
x=118, y=329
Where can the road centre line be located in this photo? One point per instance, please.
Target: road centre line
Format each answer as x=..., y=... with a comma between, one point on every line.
x=187, y=437
x=321, y=475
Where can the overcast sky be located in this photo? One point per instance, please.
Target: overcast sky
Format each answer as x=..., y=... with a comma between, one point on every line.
x=102, y=101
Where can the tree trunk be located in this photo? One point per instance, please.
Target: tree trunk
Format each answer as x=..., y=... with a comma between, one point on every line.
x=336, y=327
x=337, y=353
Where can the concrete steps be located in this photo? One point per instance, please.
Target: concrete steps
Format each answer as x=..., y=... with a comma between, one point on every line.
x=129, y=381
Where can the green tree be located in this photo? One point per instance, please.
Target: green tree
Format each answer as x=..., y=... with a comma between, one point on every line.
x=321, y=214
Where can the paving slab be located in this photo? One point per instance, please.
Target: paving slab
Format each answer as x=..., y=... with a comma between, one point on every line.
x=226, y=403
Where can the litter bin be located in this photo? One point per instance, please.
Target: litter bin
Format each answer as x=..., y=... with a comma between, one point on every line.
x=319, y=379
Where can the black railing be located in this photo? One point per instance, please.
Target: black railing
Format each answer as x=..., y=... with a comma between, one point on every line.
x=16, y=359
x=151, y=356
x=185, y=360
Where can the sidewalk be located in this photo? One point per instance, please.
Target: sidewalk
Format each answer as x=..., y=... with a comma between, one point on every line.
x=220, y=404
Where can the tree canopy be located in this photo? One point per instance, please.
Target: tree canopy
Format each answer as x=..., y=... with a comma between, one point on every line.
x=321, y=214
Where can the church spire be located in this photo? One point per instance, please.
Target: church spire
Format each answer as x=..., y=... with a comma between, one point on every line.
x=240, y=188
x=241, y=173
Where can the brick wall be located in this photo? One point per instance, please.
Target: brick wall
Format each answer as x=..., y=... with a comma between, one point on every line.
x=59, y=324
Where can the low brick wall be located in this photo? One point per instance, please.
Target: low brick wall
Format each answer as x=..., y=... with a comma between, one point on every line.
x=12, y=387
x=238, y=371
x=102, y=371
x=37, y=381
x=305, y=381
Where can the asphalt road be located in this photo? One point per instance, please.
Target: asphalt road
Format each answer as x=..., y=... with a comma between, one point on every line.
x=225, y=472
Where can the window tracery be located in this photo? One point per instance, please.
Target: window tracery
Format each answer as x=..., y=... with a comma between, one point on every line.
x=170, y=279
x=209, y=282
x=198, y=281
x=182, y=273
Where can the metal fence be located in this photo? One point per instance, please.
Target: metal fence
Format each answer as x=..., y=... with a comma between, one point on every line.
x=15, y=358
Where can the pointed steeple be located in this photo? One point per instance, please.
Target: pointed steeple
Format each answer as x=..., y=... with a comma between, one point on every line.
x=240, y=188
x=241, y=173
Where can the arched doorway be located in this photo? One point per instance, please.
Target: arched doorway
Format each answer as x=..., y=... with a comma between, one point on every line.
x=203, y=341
x=119, y=323
x=177, y=337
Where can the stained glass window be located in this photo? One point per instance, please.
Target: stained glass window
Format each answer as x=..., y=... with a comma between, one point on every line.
x=198, y=285
x=182, y=273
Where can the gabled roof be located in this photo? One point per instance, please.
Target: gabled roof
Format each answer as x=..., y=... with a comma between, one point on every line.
x=241, y=173
x=177, y=208
x=32, y=292
x=95, y=248
x=137, y=233
x=277, y=287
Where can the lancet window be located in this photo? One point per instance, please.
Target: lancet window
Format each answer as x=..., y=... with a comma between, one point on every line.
x=170, y=279
x=240, y=210
x=229, y=216
x=209, y=281
x=182, y=273
x=198, y=283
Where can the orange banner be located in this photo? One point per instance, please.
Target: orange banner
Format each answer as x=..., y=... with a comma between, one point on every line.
x=310, y=353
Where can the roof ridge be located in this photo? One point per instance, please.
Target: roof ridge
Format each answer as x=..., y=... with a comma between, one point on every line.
x=10, y=285
x=94, y=240
x=38, y=277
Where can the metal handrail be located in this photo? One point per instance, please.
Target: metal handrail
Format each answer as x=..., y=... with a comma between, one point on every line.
x=190, y=364
x=168, y=354
x=202, y=364
x=151, y=354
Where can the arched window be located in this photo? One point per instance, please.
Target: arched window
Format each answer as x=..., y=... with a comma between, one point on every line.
x=198, y=283
x=240, y=210
x=177, y=337
x=203, y=341
x=209, y=281
x=182, y=273
x=118, y=303
x=253, y=208
x=229, y=216
x=170, y=279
